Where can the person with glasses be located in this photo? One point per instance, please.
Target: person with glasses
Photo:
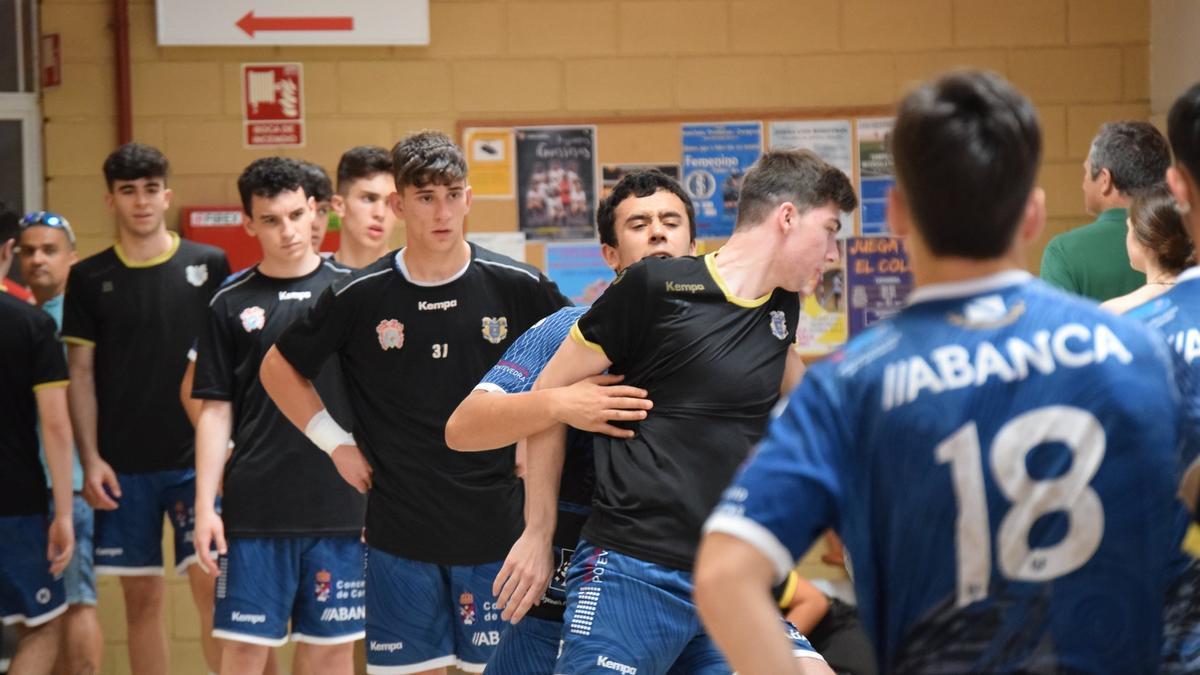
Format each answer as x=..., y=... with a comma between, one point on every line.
x=46, y=251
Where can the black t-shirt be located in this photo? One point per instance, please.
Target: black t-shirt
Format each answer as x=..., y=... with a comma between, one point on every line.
x=410, y=352
x=277, y=483
x=141, y=318
x=31, y=357
x=712, y=363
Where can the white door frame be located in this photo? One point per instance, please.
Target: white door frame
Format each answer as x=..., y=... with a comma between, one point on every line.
x=25, y=109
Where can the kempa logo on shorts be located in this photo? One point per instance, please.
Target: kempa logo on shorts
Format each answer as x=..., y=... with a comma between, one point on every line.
x=238, y=617
x=673, y=287
x=386, y=646
x=295, y=295
x=605, y=662
x=435, y=306
x=344, y=613
x=109, y=551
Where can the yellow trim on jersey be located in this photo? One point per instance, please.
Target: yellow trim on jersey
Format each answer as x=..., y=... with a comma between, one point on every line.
x=51, y=385
x=577, y=335
x=156, y=260
x=1191, y=543
x=789, y=590
x=69, y=339
x=711, y=261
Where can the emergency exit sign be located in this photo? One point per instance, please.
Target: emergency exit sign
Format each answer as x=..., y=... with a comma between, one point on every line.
x=292, y=22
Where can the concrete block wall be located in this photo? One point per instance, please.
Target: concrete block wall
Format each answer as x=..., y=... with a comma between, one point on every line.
x=1082, y=61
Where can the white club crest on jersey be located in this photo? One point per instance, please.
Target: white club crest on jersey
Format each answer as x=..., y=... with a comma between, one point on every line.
x=495, y=329
x=779, y=325
x=391, y=334
x=253, y=318
x=196, y=274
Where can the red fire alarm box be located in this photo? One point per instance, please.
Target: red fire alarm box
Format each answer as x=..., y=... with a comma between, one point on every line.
x=221, y=226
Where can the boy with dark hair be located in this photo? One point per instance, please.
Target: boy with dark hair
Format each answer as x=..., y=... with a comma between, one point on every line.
x=131, y=313
x=708, y=338
x=318, y=186
x=308, y=548
x=438, y=310
x=983, y=454
x=364, y=184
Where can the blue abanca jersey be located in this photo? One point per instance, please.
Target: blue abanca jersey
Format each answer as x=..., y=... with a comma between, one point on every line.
x=1001, y=460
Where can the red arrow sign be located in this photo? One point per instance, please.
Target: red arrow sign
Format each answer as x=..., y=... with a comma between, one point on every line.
x=250, y=23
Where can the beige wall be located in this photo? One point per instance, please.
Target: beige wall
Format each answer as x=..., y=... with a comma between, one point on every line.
x=1082, y=61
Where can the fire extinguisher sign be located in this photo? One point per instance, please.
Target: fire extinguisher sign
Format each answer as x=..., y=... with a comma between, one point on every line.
x=272, y=105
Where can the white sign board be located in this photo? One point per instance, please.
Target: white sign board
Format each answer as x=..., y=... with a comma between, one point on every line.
x=293, y=22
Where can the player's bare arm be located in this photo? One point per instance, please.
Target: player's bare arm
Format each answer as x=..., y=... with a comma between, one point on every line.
x=733, y=595
x=56, y=439
x=100, y=481
x=486, y=420
x=299, y=401
x=214, y=424
x=191, y=406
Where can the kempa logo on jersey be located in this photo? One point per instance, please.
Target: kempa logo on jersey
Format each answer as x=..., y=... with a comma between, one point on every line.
x=239, y=617
x=435, y=306
x=295, y=295
x=675, y=287
x=385, y=646
x=605, y=662
x=344, y=613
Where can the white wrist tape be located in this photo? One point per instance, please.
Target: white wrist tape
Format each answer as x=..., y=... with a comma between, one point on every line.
x=327, y=434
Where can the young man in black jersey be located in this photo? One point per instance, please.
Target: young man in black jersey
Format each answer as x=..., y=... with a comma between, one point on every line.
x=308, y=548
x=414, y=332
x=33, y=378
x=707, y=338
x=130, y=314
x=365, y=183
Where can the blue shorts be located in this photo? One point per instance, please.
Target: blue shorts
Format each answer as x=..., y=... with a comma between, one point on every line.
x=80, y=577
x=625, y=614
x=528, y=648
x=29, y=594
x=129, y=539
x=315, y=582
x=422, y=616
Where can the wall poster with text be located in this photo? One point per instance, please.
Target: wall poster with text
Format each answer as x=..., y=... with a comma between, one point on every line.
x=556, y=181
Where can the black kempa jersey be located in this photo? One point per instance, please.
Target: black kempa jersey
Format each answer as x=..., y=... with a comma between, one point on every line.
x=142, y=317
x=410, y=352
x=31, y=357
x=712, y=363
x=277, y=483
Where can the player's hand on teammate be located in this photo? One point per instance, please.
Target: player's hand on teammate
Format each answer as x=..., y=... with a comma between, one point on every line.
x=592, y=404
x=209, y=530
x=352, y=466
x=525, y=575
x=101, y=488
x=61, y=544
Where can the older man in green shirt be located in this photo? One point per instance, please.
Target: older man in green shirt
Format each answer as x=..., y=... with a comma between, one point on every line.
x=1125, y=158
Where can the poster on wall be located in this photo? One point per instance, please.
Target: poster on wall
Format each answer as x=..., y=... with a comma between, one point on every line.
x=875, y=175
x=578, y=269
x=272, y=105
x=613, y=173
x=822, y=326
x=715, y=159
x=490, y=162
x=829, y=139
x=879, y=280
x=556, y=181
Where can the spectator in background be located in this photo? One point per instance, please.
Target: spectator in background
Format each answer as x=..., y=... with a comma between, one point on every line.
x=8, y=222
x=1158, y=246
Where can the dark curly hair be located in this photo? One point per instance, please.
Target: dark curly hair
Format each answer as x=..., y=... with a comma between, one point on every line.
x=639, y=184
x=268, y=177
x=133, y=161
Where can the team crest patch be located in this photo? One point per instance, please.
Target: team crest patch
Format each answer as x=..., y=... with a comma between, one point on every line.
x=324, y=584
x=253, y=318
x=196, y=274
x=779, y=325
x=466, y=608
x=495, y=330
x=391, y=334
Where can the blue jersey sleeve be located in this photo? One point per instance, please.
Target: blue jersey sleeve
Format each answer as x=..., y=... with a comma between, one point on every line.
x=520, y=366
x=786, y=495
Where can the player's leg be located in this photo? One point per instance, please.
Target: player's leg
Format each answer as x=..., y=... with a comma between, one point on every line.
x=477, y=622
x=83, y=643
x=30, y=597
x=409, y=624
x=329, y=610
x=624, y=613
x=254, y=593
x=129, y=545
x=37, y=648
x=178, y=500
